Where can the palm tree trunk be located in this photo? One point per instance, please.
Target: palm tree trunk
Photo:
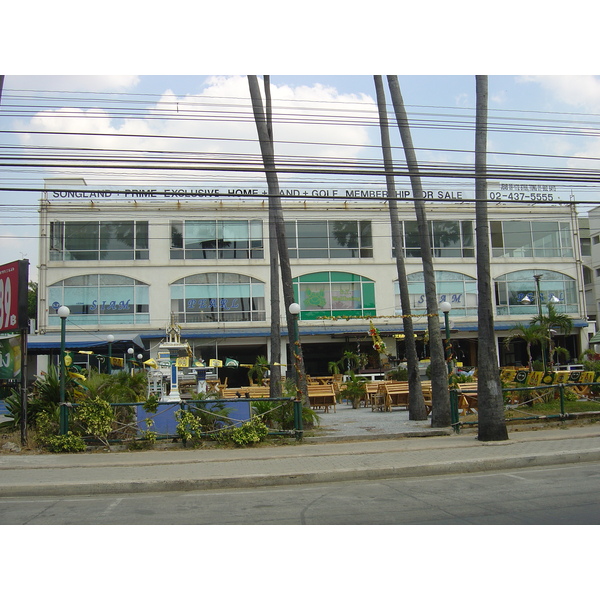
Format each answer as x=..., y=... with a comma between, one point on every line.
x=492, y=426
x=440, y=416
x=268, y=156
x=275, y=354
x=416, y=404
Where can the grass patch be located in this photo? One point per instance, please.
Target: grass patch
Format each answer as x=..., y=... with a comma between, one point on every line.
x=553, y=408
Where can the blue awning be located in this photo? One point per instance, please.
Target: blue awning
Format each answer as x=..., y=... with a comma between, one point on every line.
x=49, y=343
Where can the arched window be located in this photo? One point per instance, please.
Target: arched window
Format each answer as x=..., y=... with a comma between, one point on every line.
x=100, y=300
x=334, y=294
x=512, y=288
x=214, y=297
x=458, y=289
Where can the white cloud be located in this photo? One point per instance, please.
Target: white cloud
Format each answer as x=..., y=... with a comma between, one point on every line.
x=70, y=83
x=581, y=91
x=317, y=115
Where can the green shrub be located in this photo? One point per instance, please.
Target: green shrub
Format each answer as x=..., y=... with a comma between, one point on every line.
x=280, y=415
x=47, y=436
x=188, y=426
x=96, y=417
x=69, y=442
x=250, y=432
x=398, y=374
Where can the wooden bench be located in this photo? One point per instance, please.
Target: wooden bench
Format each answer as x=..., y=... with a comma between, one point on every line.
x=321, y=396
x=231, y=393
x=253, y=391
x=467, y=398
x=427, y=396
x=395, y=394
x=372, y=390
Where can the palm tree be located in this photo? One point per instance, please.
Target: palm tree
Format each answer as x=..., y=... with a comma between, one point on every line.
x=492, y=426
x=275, y=378
x=265, y=138
x=440, y=416
x=416, y=403
x=531, y=334
x=554, y=320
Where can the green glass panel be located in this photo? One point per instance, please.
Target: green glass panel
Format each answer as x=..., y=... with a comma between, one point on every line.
x=368, y=290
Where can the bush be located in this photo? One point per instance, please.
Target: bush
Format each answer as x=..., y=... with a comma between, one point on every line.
x=96, y=418
x=280, y=415
x=250, y=432
x=188, y=426
x=48, y=437
x=398, y=374
x=69, y=442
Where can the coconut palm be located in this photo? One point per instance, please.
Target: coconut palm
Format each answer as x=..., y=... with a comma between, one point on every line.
x=554, y=320
x=492, y=426
x=532, y=334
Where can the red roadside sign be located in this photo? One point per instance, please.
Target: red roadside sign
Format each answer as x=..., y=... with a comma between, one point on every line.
x=13, y=295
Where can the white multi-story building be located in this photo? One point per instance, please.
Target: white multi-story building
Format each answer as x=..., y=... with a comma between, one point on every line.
x=123, y=261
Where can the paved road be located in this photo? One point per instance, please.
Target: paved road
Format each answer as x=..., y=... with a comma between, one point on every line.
x=567, y=494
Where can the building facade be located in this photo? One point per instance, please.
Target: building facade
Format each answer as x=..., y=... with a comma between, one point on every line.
x=124, y=261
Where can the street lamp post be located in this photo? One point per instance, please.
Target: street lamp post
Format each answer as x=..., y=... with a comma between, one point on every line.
x=539, y=306
x=63, y=313
x=445, y=307
x=130, y=359
x=294, y=309
x=110, y=338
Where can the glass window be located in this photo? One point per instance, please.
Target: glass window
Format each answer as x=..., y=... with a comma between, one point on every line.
x=586, y=246
x=513, y=287
x=334, y=294
x=216, y=239
x=524, y=239
x=218, y=297
x=329, y=239
x=456, y=288
x=448, y=239
x=81, y=241
x=100, y=300
x=99, y=240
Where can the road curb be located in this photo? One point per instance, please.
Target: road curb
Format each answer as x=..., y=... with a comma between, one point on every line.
x=262, y=480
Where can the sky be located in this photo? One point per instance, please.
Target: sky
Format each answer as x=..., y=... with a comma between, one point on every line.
x=317, y=117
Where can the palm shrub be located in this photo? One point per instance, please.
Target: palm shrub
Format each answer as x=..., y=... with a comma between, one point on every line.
x=258, y=369
x=355, y=389
x=211, y=416
x=13, y=405
x=398, y=374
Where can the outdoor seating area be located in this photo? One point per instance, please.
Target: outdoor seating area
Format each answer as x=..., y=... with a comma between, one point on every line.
x=322, y=396
x=379, y=395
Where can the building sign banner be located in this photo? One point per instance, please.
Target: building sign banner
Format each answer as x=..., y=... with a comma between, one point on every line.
x=499, y=191
x=10, y=357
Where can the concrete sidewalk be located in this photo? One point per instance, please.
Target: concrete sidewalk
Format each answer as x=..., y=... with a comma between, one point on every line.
x=345, y=457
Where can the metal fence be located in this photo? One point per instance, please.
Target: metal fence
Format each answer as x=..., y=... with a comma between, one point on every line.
x=523, y=397
x=130, y=427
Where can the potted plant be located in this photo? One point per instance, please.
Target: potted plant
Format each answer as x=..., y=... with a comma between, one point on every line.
x=257, y=370
x=355, y=389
